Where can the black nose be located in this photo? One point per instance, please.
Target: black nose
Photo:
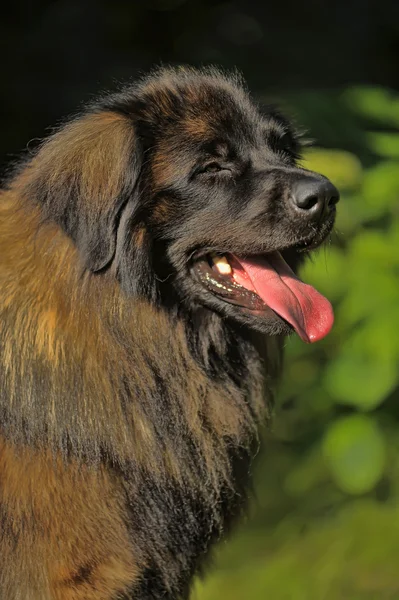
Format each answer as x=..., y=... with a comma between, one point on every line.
x=314, y=198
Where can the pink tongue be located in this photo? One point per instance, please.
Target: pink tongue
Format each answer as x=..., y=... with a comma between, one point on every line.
x=298, y=303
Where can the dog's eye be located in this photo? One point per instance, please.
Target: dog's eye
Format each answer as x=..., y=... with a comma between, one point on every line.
x=285, y=144
x=213, y=167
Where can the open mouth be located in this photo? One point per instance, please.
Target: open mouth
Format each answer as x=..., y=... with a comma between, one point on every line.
x=264, y=282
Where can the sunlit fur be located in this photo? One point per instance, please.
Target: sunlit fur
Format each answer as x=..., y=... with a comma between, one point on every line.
x=129, y=408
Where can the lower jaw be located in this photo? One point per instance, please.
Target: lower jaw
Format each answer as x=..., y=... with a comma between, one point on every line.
x=263, y=319
x=267, y=316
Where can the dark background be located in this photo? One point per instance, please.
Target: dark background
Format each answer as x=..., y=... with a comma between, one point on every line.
x=58, y=54
x=324, y=522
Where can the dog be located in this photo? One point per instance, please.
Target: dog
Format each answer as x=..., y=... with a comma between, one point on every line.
x=148, y=251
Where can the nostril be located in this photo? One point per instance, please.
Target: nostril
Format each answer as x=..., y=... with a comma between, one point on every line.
x=307, y=202
x=333, y=200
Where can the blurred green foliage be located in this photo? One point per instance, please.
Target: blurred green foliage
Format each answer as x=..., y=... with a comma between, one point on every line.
x=324, y=521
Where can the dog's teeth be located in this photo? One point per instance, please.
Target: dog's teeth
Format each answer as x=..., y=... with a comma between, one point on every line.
x=222, y=265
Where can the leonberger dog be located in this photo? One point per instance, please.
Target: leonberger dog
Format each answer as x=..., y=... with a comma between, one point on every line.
x=148, y=251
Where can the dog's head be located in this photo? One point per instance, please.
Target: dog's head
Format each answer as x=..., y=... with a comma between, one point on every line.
x=191, y=197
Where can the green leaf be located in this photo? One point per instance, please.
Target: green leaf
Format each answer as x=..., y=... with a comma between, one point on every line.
x=343, y=168
x=384, y=144
x=359, y=380
x=374, y=249
x=355, y=452
x=380, y=189
x=327, y=272
x=376, y=338
x=372, y=291
x=375, y=103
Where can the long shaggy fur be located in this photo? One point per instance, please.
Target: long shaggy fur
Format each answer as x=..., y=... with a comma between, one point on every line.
x=129, y=406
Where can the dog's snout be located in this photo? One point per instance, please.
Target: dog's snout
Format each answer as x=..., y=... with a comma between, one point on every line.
x=314, y=198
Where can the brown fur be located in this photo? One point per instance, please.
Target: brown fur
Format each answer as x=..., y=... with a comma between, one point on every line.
x=60, y=513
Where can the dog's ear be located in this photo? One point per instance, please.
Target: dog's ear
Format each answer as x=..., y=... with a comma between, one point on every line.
x=84, y=176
